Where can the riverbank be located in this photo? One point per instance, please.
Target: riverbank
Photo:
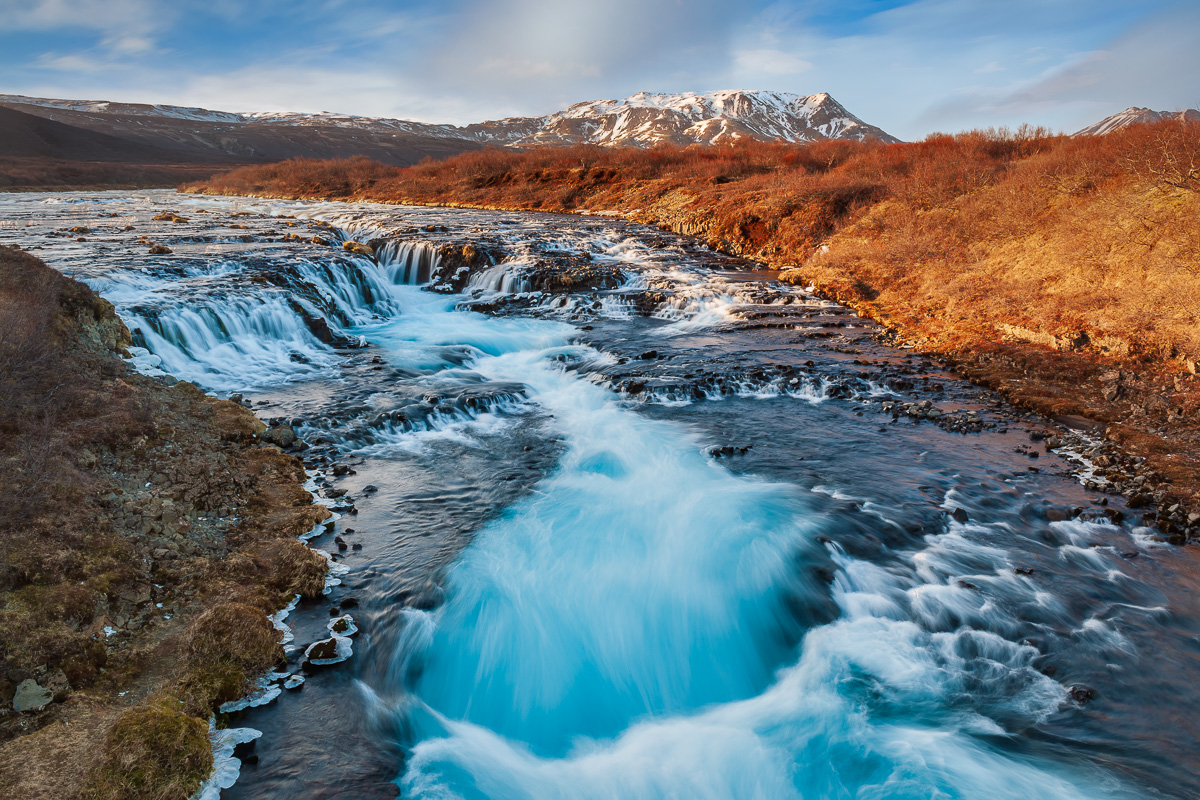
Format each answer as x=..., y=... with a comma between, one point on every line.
x=147, y=534
x=1059, y=271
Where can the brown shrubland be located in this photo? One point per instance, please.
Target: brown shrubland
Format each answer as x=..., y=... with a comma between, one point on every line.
x=1085, y=242
x=1035, y=263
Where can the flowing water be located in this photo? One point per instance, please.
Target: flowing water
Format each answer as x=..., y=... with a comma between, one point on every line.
x=658, y=536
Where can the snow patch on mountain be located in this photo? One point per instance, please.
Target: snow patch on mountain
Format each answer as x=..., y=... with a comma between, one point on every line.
x=1136, y=116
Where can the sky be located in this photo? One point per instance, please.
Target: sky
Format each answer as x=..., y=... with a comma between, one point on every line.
x=912, y=67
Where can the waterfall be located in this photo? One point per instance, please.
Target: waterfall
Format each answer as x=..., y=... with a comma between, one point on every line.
x=408, y=262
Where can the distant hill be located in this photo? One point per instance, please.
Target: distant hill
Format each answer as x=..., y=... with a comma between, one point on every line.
x=1133, y=116
x=194, y=135
x=27, y=136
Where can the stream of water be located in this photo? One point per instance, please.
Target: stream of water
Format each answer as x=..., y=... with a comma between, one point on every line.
x=651, y=537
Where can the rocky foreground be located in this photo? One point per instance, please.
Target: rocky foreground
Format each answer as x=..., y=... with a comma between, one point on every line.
x=147, y=531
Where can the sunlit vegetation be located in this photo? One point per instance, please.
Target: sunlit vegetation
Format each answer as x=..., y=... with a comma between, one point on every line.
x=1086, y=243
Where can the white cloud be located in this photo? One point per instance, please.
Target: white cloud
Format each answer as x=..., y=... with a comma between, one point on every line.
x=73, y=63
x=134, y=16
x=528, y=68
x=768, y=62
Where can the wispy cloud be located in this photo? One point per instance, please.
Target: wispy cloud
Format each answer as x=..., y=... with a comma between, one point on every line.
x=765, y=61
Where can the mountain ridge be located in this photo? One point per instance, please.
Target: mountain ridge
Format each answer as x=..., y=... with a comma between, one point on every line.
x=643, y=120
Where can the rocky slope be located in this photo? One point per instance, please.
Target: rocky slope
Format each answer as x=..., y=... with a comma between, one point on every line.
x=136, y=512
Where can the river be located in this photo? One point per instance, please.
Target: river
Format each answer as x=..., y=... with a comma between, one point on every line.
x=657, y=533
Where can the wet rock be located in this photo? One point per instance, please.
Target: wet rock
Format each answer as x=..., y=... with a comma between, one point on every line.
x=960, y=515
x=31, y=696
x=159, y=250
x=358, y=248
x=1081, y=693
x=325, y=648
x=370, y=488
x=341, y=469
x=282, y=435
x=169, y=216
x=649, y=355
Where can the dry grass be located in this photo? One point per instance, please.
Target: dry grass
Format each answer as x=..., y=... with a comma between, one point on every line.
x=86, y=542
x=154, y=752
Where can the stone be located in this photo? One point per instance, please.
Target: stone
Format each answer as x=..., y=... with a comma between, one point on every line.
x=358, y=248
x=282, y=436
x=1082, y=694
x=959, y=515
x=31, y=696
x=160, y=250
x=325, y=648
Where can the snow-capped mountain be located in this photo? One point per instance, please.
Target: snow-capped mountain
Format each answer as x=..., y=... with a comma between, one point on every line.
x=1134, y=116
x=648, y=119
x=643, y=120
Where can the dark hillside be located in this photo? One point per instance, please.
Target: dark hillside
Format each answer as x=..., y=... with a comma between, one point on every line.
x=27, y=136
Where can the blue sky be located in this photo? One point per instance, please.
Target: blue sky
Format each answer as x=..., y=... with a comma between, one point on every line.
x=909, y=66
